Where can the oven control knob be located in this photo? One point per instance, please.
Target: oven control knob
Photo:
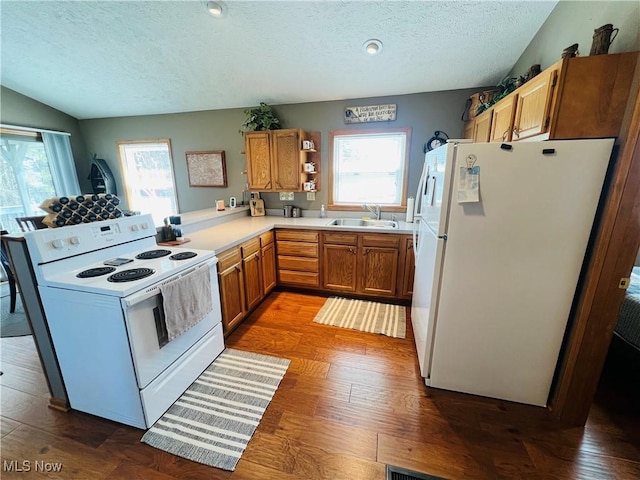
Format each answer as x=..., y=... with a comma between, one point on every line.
x=134, y=228
x=145, y=225
x=57, y=243
x=74, y=240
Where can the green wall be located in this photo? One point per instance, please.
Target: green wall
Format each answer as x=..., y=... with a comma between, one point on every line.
x=574, y=22
x=22, y=111
x=218, y=130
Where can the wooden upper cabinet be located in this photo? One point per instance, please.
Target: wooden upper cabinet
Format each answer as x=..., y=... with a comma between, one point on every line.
x=592, y=96
x=533, y=105
x=502, y=120
x=482, y=126
x=258, y=152
x=468, y=129
x=286, y=160
x=275, y=159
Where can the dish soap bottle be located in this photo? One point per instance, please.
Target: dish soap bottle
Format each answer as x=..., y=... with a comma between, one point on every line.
x=323, y=212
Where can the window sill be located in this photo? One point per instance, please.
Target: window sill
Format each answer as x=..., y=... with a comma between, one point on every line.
x=358, y=207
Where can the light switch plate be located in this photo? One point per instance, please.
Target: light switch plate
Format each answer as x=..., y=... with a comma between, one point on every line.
x=311, y=195
x=286, y=195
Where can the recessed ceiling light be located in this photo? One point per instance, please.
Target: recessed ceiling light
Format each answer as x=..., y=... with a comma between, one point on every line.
x=216, y=9
x=372, y=46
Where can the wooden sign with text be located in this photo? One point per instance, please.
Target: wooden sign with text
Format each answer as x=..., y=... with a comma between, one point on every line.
x=370, y=113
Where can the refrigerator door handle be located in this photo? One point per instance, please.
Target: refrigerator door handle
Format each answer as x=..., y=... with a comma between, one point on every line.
x=433, y=191
x=421, y=184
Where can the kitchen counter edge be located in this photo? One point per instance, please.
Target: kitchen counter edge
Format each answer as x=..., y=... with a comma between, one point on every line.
x=222, y=237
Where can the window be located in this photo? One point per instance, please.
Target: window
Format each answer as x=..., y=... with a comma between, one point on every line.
x=34, y=165
x=148, y=177
x=369, y=166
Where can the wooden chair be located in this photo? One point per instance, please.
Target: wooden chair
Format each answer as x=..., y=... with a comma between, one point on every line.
x=27, y=224
x=7, y=268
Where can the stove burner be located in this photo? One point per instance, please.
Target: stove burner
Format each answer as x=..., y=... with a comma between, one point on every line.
x=95, y=272
x=183, y=255
x=130, y=275
x=153, y=254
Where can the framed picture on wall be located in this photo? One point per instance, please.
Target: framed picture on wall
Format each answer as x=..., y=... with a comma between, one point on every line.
x=207, y=169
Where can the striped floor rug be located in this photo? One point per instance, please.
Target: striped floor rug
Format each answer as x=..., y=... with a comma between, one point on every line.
x=213, y=421
x=365, y=316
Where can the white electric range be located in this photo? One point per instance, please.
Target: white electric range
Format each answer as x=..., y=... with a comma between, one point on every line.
x=100, y=286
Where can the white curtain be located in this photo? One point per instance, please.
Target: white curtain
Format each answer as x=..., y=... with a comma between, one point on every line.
x=63, y=170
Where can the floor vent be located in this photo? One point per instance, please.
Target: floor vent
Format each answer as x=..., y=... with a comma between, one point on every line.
x=397, y=473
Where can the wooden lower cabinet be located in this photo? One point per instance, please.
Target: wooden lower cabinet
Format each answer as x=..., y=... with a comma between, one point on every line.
x=340, y=267
x=252, y=270
x=378, y=264
x=231, y=283
x=298, y=258
x=361, y=263
x=246, y=274
x=409, y=269
x=268, y=268
x=379, y=267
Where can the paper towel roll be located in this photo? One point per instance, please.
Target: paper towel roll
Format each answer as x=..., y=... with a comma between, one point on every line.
x=409, y=217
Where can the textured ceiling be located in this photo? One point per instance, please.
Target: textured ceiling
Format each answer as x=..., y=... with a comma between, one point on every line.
x=94, y=59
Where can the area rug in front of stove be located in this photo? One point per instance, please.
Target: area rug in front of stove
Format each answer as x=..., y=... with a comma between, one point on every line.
x=373, y=317
x=213, y=421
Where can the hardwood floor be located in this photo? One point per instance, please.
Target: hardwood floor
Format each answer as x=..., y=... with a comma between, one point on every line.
x=350, y=403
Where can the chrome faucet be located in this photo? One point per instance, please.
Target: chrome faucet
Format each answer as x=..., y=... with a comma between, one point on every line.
x=375, y=210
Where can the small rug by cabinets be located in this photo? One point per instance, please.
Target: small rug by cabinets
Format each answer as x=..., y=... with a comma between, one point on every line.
x=13, y=324
x=213, y=421
x=373, y=317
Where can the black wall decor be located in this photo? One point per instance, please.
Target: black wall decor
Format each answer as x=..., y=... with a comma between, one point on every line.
x=102, y=180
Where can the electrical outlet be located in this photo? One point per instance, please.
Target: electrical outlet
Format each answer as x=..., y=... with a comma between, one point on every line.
x=286, y=195
x=311, y=195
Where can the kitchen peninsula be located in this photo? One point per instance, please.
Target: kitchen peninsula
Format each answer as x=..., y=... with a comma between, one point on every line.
x=257, y=253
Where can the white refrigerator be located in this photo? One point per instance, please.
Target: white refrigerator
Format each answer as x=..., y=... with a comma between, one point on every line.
x=495, y=278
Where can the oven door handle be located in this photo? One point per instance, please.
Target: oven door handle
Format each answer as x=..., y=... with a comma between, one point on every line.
x=154, y=290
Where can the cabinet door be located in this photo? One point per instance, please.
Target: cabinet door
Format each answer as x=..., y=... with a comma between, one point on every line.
x=258, y=153
x=268, y=268
x=533, y=105
x=468, y=129
x=340, y=264
x=409, y=269
x=502, y=121
x=379, y=270
x=231, y=283
x=252, y=280
x=482, y=127
x=287, y=166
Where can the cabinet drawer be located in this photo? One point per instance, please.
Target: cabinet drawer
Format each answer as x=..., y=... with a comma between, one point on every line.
x=341, y=238
x=298, y=249
x=266, y=238
x=381, y=240
x=297, y=235
x=299, y=278
x=228, y=258
x=250, y=247
x=298, y=263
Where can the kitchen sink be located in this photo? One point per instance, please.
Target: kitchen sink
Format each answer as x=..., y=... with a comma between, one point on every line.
x=358, y=222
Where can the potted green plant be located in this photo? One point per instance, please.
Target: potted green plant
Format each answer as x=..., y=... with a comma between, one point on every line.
x=260, y=118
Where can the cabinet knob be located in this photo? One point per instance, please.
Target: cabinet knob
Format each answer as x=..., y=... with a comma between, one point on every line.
x=352, y=250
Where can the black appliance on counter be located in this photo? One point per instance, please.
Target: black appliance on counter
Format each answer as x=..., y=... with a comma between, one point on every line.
x=102, y=180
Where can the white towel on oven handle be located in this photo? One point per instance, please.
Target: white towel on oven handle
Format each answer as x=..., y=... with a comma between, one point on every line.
x=186, y=301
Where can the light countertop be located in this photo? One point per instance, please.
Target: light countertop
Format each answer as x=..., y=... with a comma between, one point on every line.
x=229, y=234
